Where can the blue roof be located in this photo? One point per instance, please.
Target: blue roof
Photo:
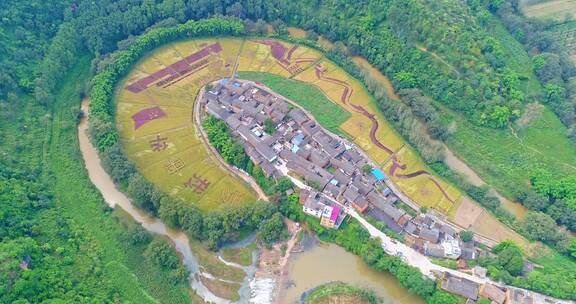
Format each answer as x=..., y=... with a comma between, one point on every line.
x=224, y=81
x=378, y=174
x=295, y=149
x=297, y=139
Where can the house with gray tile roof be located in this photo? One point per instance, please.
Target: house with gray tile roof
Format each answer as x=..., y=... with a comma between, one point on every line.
x=319, y=159
x=298, y=115
x=460, y=286
x=233, y=122
x=351, y=193
x=310, y=127
x=347, y=167
x=431, y=235
x=392, y=211
x=342, y=178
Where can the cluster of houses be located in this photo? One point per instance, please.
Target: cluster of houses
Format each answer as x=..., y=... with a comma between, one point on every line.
x=438, y=239
x=318, y=206
x=473, y=291
x=283, y=139
x=300, y=147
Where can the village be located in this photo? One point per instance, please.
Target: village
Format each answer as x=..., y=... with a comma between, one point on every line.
x=283, y=140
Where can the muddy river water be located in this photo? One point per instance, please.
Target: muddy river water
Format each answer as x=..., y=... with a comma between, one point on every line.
x=324, y=263
x=114, y=197
x=318, y=265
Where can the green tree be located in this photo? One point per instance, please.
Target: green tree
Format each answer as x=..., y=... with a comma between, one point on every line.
x=366, y=169
x=269, y=126
x=466, y=235
x=272, y=230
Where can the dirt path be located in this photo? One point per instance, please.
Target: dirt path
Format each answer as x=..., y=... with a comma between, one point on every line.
x=215, y=155
x=272, y=263
x=433, y=54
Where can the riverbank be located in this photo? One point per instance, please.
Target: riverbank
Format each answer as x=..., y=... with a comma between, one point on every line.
x=270, y=278
x=114, y=198
x=341, y=293
x=320, y=262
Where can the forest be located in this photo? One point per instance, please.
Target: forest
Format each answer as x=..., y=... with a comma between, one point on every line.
x=437, y=53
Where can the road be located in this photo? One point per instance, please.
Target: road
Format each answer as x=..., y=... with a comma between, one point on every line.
x=411, y=256
x=390, y=246
x=486, y=240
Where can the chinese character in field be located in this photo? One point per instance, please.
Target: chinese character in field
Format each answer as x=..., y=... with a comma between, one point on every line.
x=158, y=144
x=174, y=165
x=198, y=184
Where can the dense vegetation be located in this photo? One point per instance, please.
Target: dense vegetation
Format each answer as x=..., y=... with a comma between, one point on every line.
x=447, y=50
x=550, y=59
x=25, y=32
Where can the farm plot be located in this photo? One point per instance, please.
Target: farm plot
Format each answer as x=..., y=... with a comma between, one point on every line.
x=409, y=173
x=371, y=132
x=555, y=9
x=154, y=119
x=275, y=57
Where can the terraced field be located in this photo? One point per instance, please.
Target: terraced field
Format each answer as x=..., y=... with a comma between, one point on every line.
x=155, y=120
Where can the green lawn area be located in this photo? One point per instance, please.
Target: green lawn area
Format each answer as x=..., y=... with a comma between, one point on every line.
x=308, y=96
x=498, y=156
x=505, y=161
x=136, y=280
x=241, y=256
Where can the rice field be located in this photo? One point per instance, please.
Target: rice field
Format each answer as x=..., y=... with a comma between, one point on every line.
x=156, y=129
x=154, y=119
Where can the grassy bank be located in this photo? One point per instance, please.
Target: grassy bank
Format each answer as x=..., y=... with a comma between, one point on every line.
x=135, y=279
x=505, y=158
x=241, y=256
x=341, y=293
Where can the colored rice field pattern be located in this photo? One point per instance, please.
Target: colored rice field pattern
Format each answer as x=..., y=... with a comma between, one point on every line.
x=154, y=119
x=371, y=132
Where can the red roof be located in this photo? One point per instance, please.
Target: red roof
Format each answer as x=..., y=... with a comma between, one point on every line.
x=335, y=213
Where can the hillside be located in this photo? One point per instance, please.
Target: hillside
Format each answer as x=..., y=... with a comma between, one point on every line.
x=479, y=77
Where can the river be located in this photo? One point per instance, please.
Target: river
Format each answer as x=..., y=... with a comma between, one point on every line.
x=326, y=262
x=114, y=198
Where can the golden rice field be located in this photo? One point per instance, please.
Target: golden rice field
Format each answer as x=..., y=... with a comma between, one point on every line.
x=170, y=153
x=185, y=157
x=168, y=150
